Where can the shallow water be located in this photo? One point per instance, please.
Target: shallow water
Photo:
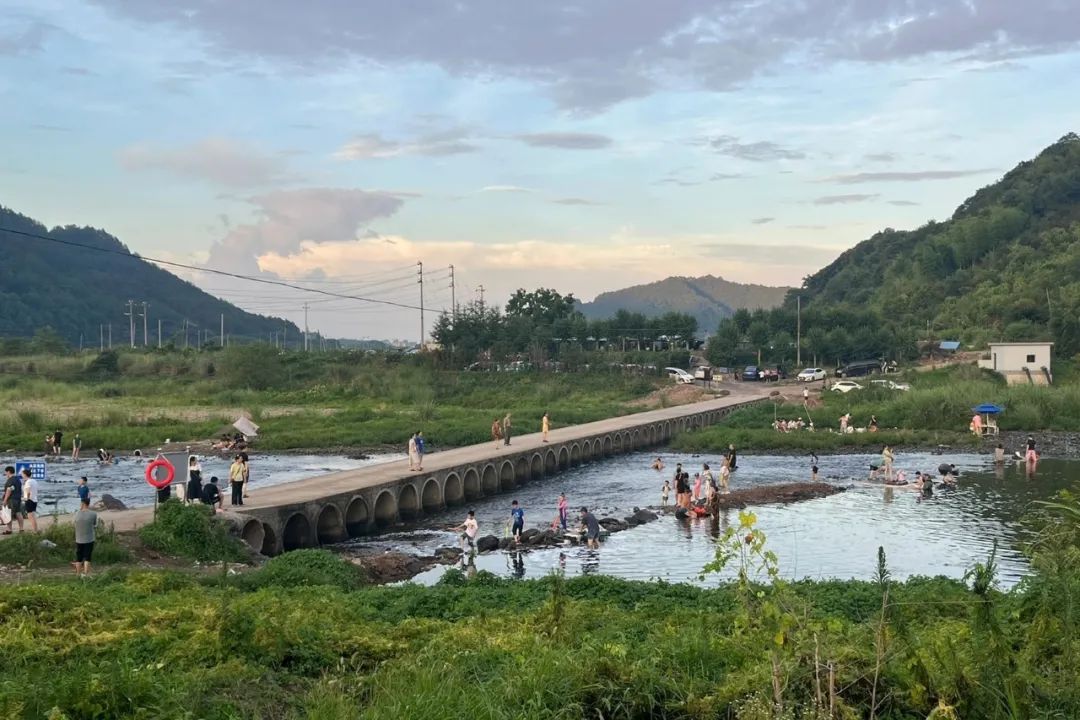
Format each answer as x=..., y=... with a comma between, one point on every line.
x=125, y=480
x=833, y=537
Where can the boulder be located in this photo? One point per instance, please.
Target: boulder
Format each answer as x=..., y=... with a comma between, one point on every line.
x=448, y=554
x=640, y=517
x=506, y=543
x=613, y=524
x=527, y=535
x=487, y=543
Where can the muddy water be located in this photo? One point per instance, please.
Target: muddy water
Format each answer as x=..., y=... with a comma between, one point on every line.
x=833, y=537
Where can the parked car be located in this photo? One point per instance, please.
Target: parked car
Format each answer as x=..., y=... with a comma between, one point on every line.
x=772, y=373
x=889, y=384
x=810, y=375
x=680, y=375
x=751, y=373
x=846, y=386
x=703, y=372
x=859, y=369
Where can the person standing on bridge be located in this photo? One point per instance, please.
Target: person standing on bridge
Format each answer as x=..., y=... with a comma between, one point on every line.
x=496, y=432
x=236, y=481
x=545, y=425
x=419, y=450
x=411, y=450
x=507, y=429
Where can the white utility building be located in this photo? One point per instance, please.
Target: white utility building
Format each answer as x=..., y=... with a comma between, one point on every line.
x=1020, y=362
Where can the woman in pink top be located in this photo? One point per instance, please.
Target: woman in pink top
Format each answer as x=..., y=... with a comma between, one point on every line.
x=697, y=486
x=976, y=424
x=564, y=509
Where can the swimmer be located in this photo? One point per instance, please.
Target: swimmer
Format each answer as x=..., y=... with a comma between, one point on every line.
x=658, y=464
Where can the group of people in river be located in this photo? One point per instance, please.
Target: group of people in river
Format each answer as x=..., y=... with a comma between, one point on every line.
x=699, y=495
x=589, y=529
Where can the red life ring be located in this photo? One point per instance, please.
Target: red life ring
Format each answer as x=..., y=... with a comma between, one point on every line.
x=170, y=473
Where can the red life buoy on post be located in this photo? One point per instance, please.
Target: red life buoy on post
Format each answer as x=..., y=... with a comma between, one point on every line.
x=170, y=473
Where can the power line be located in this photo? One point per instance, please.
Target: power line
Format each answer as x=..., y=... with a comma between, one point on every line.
x=223, y=273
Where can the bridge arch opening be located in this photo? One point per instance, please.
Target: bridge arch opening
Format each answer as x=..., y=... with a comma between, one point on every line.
x=575, y=454
x=589, y=449
x=329, y=528
x=357, y=517
x=408, y=502
x=564, y=458
x=489, y=481
x=506, y=476
x=607, y=445
x=537, y=470
x=453, y=490
x=253, y=534
x=386, y=513
x=617, y=442
x=269, y=543
x=472, y=485
x=551, y=463
x=635, y=439
x=521, y=470
x=297, y=533
x=431, y=498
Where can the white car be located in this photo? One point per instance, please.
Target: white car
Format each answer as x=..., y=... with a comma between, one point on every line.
x=810, y=374
x=890, y=385
x=680, y=375
x=846, y=386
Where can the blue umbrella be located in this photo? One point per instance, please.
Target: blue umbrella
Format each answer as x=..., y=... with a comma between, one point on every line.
x=988, y=409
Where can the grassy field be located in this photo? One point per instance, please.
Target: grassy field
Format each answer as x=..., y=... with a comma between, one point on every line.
x=299, y=400
x=302, y=638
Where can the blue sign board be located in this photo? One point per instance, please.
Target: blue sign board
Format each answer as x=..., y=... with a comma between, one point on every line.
x=36, y=467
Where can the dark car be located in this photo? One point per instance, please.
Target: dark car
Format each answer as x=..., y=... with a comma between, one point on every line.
x=750, y=373
x=859, y=369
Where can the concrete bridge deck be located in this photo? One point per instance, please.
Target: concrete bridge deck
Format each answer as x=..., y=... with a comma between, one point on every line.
x=333, y=507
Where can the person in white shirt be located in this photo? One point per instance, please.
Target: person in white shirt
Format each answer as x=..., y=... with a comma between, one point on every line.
x=468, y=530
x=30, y=498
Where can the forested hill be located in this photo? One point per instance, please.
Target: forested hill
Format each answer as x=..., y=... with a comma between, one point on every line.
x=708, y=299
x=75, y=290
x=1005, y=266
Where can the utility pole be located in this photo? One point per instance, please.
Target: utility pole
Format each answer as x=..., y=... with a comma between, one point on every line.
x=798, y=330
x=110, y=336
x=305, y=328
x=131, y=321
x=480, y=289
x=159, y=333
x=285, y=336
x=145, y=305
x=185, y=333
x=420, y=280
x=222, y=330
x=453, y=295
x=101, y=337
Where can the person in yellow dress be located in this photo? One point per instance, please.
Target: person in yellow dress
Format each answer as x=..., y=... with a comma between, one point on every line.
x=545, y=425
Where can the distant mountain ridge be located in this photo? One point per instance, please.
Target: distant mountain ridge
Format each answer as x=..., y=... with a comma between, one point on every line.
x=709, y=299
x=77, y=290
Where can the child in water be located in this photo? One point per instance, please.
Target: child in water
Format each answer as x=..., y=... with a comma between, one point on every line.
x=517, y=518
x=665, y=492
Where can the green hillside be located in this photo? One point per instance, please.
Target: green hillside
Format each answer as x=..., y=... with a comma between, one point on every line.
x=1005, y=266
x=76, y=290
x=708, y=299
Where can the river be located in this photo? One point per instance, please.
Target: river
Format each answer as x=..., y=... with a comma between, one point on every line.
x=833, y=537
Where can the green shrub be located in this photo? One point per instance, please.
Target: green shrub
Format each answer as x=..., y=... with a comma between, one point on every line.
x=26, y=549
x=306, y=568
x=191, y=531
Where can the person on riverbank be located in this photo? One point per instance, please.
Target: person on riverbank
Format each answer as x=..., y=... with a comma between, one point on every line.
x=58, y=442
x=413, y=454
x=517, y=521
x=48, y=445
x=976, y=424
x=591, y=526
x=83, y=488
x=564, y=510
x=468, y=530
x=658, y=464
x=247, y=473
x=194, y=484
x=419, y=450
x=665, y=493
x=733, y=462
x=236, y=481
x=12, y=499
x=496, y=432
x=85, y=528
x=873, y=423
x=211, y=495
x=30, y=498
x=76, y=446
x=545, y=426
x=507, y=429
x=845, y=419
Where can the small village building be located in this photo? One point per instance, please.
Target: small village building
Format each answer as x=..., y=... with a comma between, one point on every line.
x=1020, y=362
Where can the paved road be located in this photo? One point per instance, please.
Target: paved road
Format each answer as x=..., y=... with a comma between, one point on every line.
x=376, y=475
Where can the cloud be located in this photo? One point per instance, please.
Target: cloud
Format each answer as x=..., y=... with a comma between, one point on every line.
x=762, y=220
x=591, y=55
x=883, y=157
x=760, y=151
x=29, y=39
x=505, y=189
x=843, y=199
x=903, y=203
x=800, y=255
x=574, y=201
x=74, y=70
x=902, y=176
x=222, y=161
x=450, y=142
x=566, y=140
x=285, y=219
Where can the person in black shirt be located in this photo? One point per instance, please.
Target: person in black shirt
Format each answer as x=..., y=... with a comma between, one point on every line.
x=210, y=494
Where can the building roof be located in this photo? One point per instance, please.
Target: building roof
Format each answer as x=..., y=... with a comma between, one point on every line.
x=950, y=345
x=1021, y=344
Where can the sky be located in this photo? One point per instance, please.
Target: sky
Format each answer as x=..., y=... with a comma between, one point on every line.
x=584, y=145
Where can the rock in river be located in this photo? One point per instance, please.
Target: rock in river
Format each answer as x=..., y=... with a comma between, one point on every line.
x=487, y=543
